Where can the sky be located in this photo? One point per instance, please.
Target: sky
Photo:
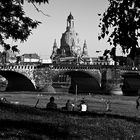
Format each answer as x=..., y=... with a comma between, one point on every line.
x=85, y=13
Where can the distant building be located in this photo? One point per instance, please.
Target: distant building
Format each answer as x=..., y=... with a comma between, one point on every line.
x=69, y=50
x=101, y=61
x=46, y=61
x=30, y=58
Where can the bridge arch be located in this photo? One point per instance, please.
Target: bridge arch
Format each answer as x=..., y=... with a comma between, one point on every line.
x=17, y=81
x=85, y=81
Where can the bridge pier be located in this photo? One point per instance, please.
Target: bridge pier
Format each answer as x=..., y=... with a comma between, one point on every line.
x=43, y=79
x=111, y=80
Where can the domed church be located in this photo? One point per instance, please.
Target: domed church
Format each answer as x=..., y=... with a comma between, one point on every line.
x=69, y=50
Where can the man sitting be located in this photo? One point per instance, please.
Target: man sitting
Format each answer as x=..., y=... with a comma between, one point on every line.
x=68, y=107
x=83, y=106
x=51, y=105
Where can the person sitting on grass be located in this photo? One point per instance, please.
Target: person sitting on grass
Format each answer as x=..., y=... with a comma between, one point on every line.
x=68, y=106
x=83, y=106
x=51, y=105
x=4, y=100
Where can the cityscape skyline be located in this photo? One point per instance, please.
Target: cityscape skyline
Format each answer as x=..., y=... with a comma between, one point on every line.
x=86, y=18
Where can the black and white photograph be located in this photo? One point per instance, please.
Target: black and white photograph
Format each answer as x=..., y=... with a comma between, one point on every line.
x=69, y=70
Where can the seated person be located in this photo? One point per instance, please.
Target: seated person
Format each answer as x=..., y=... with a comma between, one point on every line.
x=69, y=106
x=83, y=106
x=51, y=105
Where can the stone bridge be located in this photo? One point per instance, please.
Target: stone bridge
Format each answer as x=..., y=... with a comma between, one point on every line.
x=19, y=77
x=47, y=77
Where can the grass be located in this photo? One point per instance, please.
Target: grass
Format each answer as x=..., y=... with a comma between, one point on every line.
x=26, y=122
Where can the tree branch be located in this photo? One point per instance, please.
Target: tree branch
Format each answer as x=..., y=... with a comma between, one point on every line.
x=40, y=10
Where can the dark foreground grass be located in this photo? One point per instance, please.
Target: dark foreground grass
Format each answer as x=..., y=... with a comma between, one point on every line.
x=29, y=123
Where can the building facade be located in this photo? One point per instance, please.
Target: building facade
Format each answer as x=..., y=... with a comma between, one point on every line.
x=30, y=58
x=70, y=49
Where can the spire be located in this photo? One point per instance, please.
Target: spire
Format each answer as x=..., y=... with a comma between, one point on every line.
x=85, y=52
x=54, y=51
x=55, y=44
x=85, y=45
x=55, y=48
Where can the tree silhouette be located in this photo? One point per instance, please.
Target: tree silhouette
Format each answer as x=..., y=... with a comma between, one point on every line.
x=7, y=47
x=15, y=49
x=13, y=21
x=113, y=53
x=121, y=24
x=105, y=54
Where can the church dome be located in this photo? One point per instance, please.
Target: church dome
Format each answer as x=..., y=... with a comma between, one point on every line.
x=68, y=37
x=69, y=43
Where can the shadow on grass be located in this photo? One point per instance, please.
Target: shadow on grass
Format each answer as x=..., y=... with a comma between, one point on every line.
x=31, y=123
x=30, y=129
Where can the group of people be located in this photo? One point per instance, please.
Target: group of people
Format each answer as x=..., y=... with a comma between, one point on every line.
x=82, y=106
x=69, y=106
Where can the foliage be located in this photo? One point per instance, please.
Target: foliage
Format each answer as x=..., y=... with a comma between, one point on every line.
x=15, y=49
x=121, y=24
x=112, y=53
x=13, y=21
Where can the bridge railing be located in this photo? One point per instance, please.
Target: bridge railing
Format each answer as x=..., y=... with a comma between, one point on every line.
x=13, y=67
x=64, y=66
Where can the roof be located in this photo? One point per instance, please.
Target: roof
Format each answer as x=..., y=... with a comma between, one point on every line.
x=32, y=55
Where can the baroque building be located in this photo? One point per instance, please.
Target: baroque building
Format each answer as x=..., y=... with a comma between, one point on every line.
x=70, y=49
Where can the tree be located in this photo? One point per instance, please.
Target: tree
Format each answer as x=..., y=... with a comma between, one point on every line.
x=121, y=24
x=13, y=21
x=15, y=49
x=113, y=53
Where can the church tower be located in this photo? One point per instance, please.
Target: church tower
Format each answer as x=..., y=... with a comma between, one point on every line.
x=69, y=38
x=70, y=22
x=54, y=51
x=85, y=51
x=55, y=46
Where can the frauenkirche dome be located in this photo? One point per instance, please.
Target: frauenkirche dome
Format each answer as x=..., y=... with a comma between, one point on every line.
x=69, y=43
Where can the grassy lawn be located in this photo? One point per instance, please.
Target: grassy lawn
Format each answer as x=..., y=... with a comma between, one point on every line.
x=23, y=121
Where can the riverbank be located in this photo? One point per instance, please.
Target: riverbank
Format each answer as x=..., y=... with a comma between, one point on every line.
x=20, y=119
x=124, y=105
x=30, y=123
